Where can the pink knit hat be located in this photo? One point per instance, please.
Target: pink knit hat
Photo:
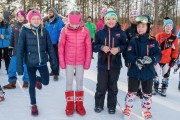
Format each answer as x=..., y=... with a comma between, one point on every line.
x=74, y=19
x=33, y=13
x=104, y=10
x=21, y=12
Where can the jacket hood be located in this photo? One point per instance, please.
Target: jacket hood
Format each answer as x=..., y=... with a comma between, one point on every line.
x=27, y=25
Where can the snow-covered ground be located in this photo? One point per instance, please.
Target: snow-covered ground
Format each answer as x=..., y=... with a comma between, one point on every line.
x=51, y=101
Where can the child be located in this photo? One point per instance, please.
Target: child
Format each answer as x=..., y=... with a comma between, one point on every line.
x=12, y=78
x=110, y=42
x=75, y=52
x=131, y=32
x=35, y=46
x=5, y=34
x=142, y=54
x=1, y=94
x=177, y=66
x=169, y=49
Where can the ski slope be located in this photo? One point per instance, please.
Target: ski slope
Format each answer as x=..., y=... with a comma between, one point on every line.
x=51, y=100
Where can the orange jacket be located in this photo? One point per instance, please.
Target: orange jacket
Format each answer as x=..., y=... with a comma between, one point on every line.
x=169, y=46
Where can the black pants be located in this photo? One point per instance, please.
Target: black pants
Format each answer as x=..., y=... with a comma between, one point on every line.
x=56, y=71
x=92, y=48
x=44, y=73
x=107, y=81
x=5, y=56
x=133, y=85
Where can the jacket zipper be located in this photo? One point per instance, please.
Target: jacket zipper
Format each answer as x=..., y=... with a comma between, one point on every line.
x=109, y=47
x=2, y=39
x=76, y=48
x=38, y=47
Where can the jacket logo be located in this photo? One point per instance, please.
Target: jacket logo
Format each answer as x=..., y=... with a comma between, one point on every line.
x=118, y=34
x=151, y=45
x=170, y=40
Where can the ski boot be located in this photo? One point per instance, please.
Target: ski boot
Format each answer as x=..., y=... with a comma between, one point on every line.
x=127, y=112
x=147, y=114
x=155, y=87
x=163, y=88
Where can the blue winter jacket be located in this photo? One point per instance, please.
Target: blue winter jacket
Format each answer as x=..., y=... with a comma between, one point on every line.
x=54, y=28
x=6, y=32
x=139, y=47
x=36, y=49
x=114, y=37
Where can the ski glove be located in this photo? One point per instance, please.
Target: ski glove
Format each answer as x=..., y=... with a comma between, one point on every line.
x=172, y=62
x=147, y=60
x=139, y=63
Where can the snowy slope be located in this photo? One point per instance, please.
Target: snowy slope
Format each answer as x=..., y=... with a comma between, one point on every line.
x=51, y=101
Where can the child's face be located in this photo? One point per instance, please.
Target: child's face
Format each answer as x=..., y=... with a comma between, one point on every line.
x=74, y=26
x=35, y=21
x=168, y=28
x=20, y=18
x=141, y=28
x=111, y=22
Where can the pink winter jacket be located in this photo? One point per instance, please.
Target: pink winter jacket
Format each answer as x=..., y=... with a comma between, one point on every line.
x=100, y=24
x=75, y=47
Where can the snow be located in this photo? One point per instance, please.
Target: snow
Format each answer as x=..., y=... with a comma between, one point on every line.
x=51, y=100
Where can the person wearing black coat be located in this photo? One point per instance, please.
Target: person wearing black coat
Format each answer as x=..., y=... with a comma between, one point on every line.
x=143, y=53
x=35, y=49
x=110, y=42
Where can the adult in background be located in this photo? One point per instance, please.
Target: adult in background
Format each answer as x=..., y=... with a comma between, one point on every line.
x=54, y=26
x=5, y=34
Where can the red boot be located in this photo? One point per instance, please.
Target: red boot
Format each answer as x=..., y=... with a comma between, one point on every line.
x=79, y=103
x=34, y=110
x=70, y=102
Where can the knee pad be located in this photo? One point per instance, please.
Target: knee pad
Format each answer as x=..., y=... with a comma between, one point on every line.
x=146, y=101
x=129, y=100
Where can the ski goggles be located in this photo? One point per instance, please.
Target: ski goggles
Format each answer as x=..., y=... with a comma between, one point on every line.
x=142, y=19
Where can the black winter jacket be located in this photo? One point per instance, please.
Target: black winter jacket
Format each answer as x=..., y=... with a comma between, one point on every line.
x=15, y=36
x=139, y=47
x=34, y=48
x=114, y=37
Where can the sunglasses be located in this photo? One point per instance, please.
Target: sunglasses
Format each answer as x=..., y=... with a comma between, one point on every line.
x=142, y=19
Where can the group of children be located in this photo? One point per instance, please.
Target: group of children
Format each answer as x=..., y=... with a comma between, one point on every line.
x=141, y=53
